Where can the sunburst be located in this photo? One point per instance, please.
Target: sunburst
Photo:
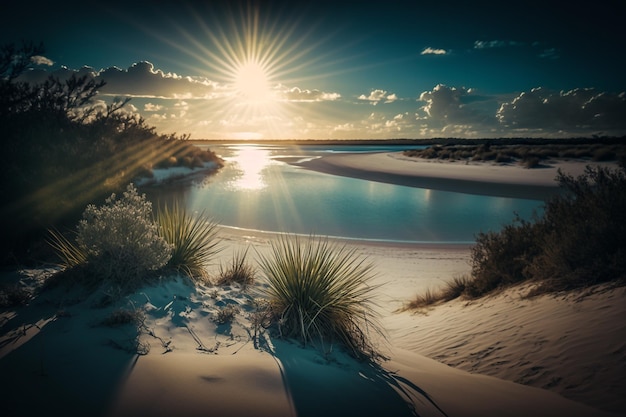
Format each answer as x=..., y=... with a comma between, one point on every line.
x=254, y=61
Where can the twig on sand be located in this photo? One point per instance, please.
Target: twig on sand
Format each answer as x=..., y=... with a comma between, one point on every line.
x=201, y=347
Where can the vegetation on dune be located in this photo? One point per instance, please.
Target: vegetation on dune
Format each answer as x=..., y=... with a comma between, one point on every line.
x=193, y=238
x=116, y=243
x=579, y=241
x=527, y=155
x=62, y=149
x=121, y=243
x=321, y=294
x=238, y=271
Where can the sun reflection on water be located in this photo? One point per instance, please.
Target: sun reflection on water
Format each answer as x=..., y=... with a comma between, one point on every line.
x=250, y=163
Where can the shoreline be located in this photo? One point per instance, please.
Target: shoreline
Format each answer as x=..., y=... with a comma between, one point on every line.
x=191, y=358
x=507, y=181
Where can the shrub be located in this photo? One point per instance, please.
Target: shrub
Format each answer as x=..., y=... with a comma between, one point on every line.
x=499, y=258
x=323, y=293
x=579, y=241
x=584, y=242
x=120, y=241
x=193, y=239
x=238, y=271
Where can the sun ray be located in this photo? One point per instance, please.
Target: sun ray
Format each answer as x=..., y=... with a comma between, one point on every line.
x=254, y=62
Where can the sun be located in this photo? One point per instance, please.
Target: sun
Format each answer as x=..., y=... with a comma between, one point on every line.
x=252, y=83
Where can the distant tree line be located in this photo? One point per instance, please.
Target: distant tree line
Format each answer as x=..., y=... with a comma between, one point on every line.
x=61, y=150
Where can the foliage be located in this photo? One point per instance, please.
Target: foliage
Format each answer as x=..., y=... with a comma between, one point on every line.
x=579, y=241
x=227, y=314
x=583, y=236
x=62, y=150
x=120, y=241
x=322, y=293
x=238, y=271
x=529, y=155
x=499, y=258
x=193, y=239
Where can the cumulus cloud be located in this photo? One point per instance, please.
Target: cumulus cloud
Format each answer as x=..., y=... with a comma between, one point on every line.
x=376, y=96
x=41, y=60
x=433, y=51
x=451, y=105
x=581, y=109
x=149, y=107
x=300, y=95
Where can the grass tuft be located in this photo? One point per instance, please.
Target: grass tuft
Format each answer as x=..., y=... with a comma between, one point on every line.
x=239, y=271
x=193, y=237
x=69, y=253
x=322, y=293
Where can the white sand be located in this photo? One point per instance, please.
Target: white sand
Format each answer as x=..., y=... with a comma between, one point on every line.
x=508, y=180
x=56, y=357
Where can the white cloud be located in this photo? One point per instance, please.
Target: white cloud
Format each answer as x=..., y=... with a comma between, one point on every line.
x=41, y=60
x=391, y=98
x=578, y=110
x=376, y=96
x=149, y=107
x=433, y=51
x=444, y=103
x=299, y=95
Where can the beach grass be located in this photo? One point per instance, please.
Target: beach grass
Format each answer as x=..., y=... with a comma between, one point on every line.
x=238, y=271
x=193, y=238
x=323, y=293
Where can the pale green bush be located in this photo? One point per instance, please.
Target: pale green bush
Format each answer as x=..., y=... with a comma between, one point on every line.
x=120, y=239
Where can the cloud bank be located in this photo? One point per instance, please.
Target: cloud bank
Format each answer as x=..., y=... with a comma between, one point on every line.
x=166, y=98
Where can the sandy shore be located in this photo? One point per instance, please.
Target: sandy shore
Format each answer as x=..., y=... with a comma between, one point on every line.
x=503, y=355
x=475, y=178
x=57, y=357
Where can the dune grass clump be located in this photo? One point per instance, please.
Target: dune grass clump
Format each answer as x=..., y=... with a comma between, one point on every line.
x=453, y=289
x=227, y=314
x=193, y=239
x=322, y=293
x=239, y=271
x=117, y=242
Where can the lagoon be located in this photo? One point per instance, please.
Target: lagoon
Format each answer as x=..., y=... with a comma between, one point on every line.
x=259, y=190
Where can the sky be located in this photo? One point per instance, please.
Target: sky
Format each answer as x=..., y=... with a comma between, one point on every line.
x=342, y=69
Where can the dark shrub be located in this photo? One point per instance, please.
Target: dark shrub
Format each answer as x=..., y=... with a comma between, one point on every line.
x=584, y=239
x=500, y=258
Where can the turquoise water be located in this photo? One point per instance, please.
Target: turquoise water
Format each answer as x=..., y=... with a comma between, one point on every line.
x=258, y=190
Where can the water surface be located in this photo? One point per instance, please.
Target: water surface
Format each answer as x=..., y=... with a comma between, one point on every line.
x=259, y=190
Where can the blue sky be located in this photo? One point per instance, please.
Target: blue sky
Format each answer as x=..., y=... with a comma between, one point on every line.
x=343, y=69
